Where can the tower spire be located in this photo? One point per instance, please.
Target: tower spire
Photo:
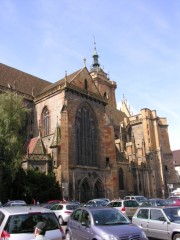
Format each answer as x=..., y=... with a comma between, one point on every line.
x=95, y=65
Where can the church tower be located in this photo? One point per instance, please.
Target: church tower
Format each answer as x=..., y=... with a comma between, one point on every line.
x=105, y=86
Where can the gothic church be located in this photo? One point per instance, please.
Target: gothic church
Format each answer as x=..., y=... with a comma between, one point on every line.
x=94, y=149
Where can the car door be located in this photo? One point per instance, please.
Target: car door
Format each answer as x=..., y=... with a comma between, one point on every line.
x=74, y=224
x=85, y=231
x=142, y=219
x=157, y=226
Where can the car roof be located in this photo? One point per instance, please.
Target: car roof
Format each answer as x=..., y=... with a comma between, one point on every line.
x=156, y=207
x=98, y=199
x=64, y=204
x=124, y=200
x=23, y=209
x=97, y=208
x=134, y=196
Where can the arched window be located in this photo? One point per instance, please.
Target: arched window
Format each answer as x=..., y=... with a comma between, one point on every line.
x=121, y=179
x=86, y=137
x=45, y=122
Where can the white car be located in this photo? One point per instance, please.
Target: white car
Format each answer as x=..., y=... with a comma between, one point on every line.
x=17, y=223
x=138, y=198
x=63, y=211
x=162, y=222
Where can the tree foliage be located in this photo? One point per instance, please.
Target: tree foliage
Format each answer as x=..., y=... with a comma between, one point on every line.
x=32, y=184
x=13, y=116
x=16, y=183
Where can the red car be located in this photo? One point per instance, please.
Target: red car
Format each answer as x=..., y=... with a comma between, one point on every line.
x=173, y=201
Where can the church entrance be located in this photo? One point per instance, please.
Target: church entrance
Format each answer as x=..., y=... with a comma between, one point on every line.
x=88, y=191
x=84, y=191
x=99, y=189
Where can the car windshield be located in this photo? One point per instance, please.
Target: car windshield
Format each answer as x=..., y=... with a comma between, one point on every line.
x=109, y=217
x=173, y=214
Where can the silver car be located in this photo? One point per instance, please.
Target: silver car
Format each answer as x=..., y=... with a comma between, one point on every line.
x=161, y=222
x=102, y=223
x=17, y=223
x=128, y=207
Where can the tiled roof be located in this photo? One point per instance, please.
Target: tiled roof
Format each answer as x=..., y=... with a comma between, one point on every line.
x=21, y=81
x=36, y=146
x=69, y=79
x=116, y=116
x=176, y=157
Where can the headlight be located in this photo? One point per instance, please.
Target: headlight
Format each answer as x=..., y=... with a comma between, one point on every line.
x=108, y=237
x=143, y=235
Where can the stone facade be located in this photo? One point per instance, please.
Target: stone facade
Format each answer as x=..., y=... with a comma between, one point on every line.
x=94, y=149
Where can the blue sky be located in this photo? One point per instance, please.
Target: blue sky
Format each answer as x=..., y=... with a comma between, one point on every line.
x=138, y=42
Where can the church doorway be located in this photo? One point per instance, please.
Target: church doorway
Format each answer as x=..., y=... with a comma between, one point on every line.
x=99, y=189
x=84, y=191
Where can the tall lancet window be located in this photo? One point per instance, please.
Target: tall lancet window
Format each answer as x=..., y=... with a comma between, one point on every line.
x=121, y=179
x=86, y=137
x=45, y=122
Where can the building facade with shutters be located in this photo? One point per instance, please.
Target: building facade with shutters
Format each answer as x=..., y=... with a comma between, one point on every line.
x=94, y=149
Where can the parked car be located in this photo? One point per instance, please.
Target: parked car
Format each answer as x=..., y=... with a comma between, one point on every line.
x=15, y=203
x=98, y=202
x=128, y=207
x=173, y=201
x=155, y=202
x=161, y=222
x=139, y=199
x=17, y=223
x=102, y=223
x=63, y=211
x=53, y=201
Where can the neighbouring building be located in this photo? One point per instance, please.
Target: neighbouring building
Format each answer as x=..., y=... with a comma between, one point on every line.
x=176, y=160
x=94, y=149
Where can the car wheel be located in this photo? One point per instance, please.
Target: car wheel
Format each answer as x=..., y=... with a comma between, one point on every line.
x=68, y=236
x=176, y=237
x=61, y=220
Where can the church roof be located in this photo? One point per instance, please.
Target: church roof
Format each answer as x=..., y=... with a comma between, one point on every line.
x=75, y=82
x=116, y=116
x=61, y=81
x=36, y=146
x=20, y=81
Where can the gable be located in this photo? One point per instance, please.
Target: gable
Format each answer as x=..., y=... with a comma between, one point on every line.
x=79, y=81
x=36, y=146
x=84, y=81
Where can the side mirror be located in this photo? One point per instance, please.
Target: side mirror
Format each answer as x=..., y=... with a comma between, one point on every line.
x=86, y=224
x=163, y=219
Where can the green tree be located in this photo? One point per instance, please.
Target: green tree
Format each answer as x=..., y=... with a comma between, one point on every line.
x=41, y=187
x=33, y=184
x=13, y=118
